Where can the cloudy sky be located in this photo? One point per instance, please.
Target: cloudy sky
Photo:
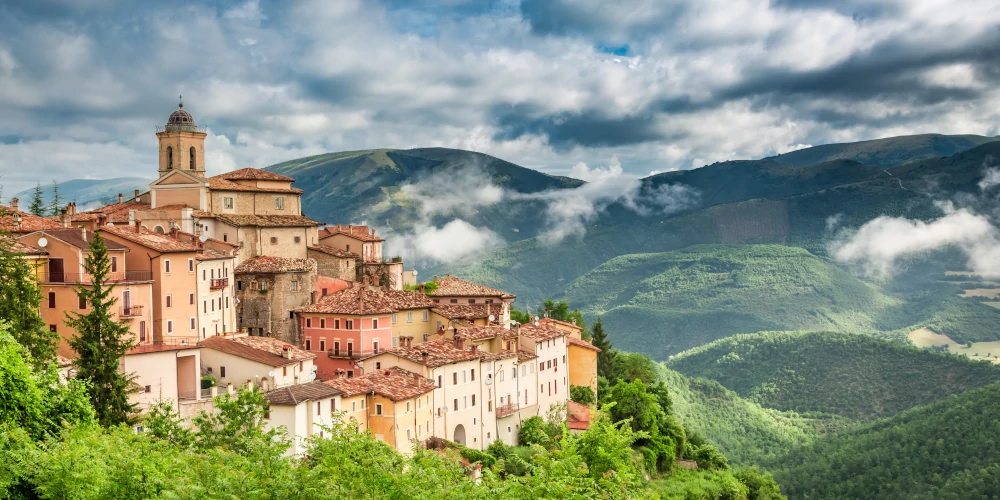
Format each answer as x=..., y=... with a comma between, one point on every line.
x=652, y=84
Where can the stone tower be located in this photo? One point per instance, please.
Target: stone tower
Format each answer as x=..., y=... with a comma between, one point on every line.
x=182, y=144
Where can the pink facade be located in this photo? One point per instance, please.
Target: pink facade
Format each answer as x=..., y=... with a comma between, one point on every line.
x=326, y=285
x=340, y=340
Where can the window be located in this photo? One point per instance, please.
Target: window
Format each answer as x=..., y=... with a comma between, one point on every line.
x=284, y=371
x=83, y=303
x=274, y=240
x=170, y=301
x=378, y=409
x=166, y=266
x=472, y=301
x=204, y=306
x=52, y=328
x=473, y=400
x=263, y=286
x=407, y=434
x=142, y=331
x=378, y=366
x=225, y=237
x=170, y=157
x=456, y=404
x=374, y=323
x=227, y=202
x=454, y=378
x=309, y=322
x=407, y=407
x=501, y=374
x=308, y=343
x=473, y=374
x=333, y=405
x=52, y=300
x=354, y=406
x=375, y=346
x=319, y=408
x=348, y=248
x=170, y=326
x=322, y=344
x=409, y=316
x=322, y=322
x=114, y=264
x=239, y=285
x=222, y=371
x=394, y=319
x=465, y=402
x=424, y=316
x=267, y=411
x=279, y=202
x=350, y=324
x=190, y=265
x=193, y=327
x=191, y=298
x=454, y=301
x=463, y=376
x=439, y=377
x=298, y=239
x=541, y=366
x=295, y=286
x=194, y=158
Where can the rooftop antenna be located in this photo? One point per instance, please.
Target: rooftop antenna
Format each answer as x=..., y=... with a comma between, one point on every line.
x=181, y=104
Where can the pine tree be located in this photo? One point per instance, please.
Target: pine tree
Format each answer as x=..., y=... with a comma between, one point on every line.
x=55, y=206
x=101, y=342
x=605, y=358
x=20, y=298
x=37, y=206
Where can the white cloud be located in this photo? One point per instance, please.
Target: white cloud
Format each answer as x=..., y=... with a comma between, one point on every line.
x=454, y=240
x=991, y=178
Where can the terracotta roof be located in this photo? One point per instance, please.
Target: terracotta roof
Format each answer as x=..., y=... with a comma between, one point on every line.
x=357, y=232
x=356, y=301
x=254, y=174
x=72, y=237
x=439, y=353
x=583, y=343
x=213, y=254
x=407, y=299
x=394, y=383
x=162, y=243
x=29, y=222
x=482, y=332
x=295, y=394
x=451, y=286
x=218, y=183
x=265, y=350
x=542, y=332
x=468, y=311
x=579, y=415
x=26, y=249
x=265, y=220
x=523, y=356
x=496, y=356
x=556, y=322
x=336, y=252
x=116, y=213
x=62, y=361
x=266, y=264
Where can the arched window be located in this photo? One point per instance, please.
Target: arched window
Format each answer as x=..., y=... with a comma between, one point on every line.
x=158, y=229
x=194, y=158
x=170, y=157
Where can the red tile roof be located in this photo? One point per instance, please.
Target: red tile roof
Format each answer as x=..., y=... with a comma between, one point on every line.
x=254, y=174
x=523, y=356
x=361, y=233
x=336, y=252
x=482, y=332
x=266, y=264
x=263, y=220
x=294, y=394
x=439, y=353
x=72, y=236
x=218, y=183
x=555, y=322
x=356, y=301
x=468, y=311
x=407, y=299
x=25, y=249
x=451, y=286
x=583, y=343
x=394, y=383
x=541, y=332
x=579, y=416
x=162, y=243
x=116, y=213
x=265, y=350
x=29, y=222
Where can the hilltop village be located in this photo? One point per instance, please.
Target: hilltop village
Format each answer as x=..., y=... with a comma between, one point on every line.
x=223, y=282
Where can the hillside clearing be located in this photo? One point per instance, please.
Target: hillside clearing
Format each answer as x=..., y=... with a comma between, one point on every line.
x=925, y=337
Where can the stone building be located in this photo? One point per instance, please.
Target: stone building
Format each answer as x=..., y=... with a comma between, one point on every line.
x=268, y=289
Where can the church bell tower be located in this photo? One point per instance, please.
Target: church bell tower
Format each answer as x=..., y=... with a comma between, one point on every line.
x=182, y=144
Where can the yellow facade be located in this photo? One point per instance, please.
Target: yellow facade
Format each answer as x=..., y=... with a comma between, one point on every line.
x=582, y=367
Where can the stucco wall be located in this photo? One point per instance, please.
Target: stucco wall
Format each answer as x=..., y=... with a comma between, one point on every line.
x=240, y=370
x=582, y=367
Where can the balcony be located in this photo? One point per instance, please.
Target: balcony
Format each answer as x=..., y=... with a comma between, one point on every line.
x=50, y=277
x=507, y=410
x=134, y=311
x=172, y=344
x=351, y=354
x=219, y=283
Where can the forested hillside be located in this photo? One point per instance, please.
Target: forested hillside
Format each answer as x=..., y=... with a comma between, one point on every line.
x=947, y=450
x=887, y=152
x=856, y=376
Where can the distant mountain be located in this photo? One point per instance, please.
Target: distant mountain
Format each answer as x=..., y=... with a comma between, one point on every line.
x=364, y=186
x=887, y=152
x=946, y=450
x=88, y=193
x=856, y=376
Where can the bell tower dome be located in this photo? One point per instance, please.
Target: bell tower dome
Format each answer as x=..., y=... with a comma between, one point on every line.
x=182, y=144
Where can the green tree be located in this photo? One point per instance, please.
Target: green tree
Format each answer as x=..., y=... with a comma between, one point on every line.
x=605, y=358
x=55, y=206
x=163, y=422
x=535, y=430
x=606, y=447
x=237, y=424
x=37, y=205
x=522, y=317
x=582, y=394
x=20, y=298
x=100, y=342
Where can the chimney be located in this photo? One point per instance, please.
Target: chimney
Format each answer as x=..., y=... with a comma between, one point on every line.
x=572, y=321
x=423, y=357
x=421, y=287
x=138, y=226
x=459, y=342
x=475, y=349
x=373, y=232
x=121, y=199
x=83, y=233
x=102, y=220
x=137, y=194
x=286, y=352
x=13, y=204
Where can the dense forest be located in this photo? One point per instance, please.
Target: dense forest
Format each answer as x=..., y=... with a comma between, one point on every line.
x=851, y=375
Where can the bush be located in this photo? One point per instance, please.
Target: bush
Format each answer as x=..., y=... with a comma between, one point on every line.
x=474, y=456
x=582, y=394
x=535, y=431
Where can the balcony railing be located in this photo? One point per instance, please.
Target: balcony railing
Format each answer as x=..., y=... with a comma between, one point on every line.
x=219, y=283
x=507, y=410
x=86, y=279
x=352, y=354
x=165, y=345
x=134, y=311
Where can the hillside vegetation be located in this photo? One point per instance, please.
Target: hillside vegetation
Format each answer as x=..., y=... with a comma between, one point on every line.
x=852, y=375
x=887, y=152
x=664, y=303
x=743, y=430
x=947, y=450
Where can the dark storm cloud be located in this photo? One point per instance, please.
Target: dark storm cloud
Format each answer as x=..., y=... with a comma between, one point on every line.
x=586, y=129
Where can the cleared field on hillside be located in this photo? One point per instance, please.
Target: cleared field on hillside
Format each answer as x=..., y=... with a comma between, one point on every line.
x=925, y=337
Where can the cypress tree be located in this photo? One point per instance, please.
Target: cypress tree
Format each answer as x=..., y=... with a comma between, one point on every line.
x=55, y=207
x=605, y=358
x=20, y=298
x=37, y=205
x=101, y=342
